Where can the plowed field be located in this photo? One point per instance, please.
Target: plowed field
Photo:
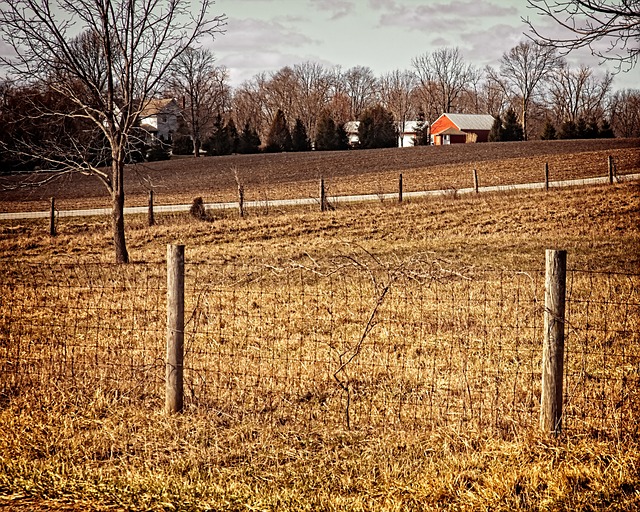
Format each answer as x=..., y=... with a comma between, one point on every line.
x=290, y=175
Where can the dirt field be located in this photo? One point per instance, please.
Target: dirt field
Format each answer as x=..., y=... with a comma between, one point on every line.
x=292, y=175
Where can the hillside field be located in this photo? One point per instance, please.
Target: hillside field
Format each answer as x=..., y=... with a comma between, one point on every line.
x=296, y=175
x=87, y=445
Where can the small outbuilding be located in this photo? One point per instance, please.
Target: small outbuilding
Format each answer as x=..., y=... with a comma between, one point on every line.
x=461, y=128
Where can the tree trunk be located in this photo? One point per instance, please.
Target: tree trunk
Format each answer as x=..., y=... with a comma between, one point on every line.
x=117, y=213
x=524, y=120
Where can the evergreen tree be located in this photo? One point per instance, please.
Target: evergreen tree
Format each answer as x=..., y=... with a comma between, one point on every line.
x=249, y=142
x=326, y=133
x=233, y=136
x=421, y=137
x=512, y=129
x=495, y=135
x=568, y=130
x=592, y=131
x=341, y=138
x=300, y=140
x=377, y=129
x=218, y=142
x=605, y=132
x=182, y=144
x=279, y=138
x=581, y=129
x=549, y=131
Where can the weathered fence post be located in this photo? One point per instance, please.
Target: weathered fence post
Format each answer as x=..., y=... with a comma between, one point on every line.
x=546, y=175
x=610, y=163
x=553, y=348
x=52, y=217
x=323, y=196
x=475, y=180
x=150, y=218
x=241, y=200
x=400, y=188
x=175, y=328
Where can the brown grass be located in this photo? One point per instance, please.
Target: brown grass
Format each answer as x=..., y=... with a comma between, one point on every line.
x=108, y=445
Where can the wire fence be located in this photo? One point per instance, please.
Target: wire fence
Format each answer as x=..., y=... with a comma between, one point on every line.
x=349, y=341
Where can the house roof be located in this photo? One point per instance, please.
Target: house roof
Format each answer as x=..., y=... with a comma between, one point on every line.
x=155, y=106
x=471, y=121
x=450, y=131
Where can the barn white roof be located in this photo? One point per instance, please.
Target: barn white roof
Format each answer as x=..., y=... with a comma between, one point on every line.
x=471, y=121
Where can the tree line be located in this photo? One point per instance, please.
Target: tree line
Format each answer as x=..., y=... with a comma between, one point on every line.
x=308, y=105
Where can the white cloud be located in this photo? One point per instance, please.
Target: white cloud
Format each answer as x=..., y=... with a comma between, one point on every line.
x=336, y=9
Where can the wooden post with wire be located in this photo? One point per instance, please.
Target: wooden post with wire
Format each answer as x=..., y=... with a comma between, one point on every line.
x=475, y=181
x=400, y=188
x=241, y=200
x=546, y=175
x=174, y=394
x=150, y=217
x=323, y=196
x=611, y=166
x=553, y=348
x=52, y=217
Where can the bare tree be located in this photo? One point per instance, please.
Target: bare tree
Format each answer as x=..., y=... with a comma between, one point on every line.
x=625, y=113
x=444, y=77
x=578, y=93
x=396, y=90
x=586, y=23
x=522, y=71
x=314, y=89
x=202, y=88
x=361, y=86
x=108, y=73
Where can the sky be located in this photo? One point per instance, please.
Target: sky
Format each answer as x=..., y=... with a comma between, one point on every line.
x=266, y=35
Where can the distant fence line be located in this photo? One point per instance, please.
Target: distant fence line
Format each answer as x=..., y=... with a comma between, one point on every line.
x=351, y=341
x=323, y=200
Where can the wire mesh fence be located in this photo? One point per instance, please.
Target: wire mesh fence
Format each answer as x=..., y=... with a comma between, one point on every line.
x=349, y=341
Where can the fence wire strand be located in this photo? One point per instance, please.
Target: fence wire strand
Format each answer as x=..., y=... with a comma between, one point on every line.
x=352, y=340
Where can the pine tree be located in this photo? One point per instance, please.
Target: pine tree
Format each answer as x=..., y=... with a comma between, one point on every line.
x=300, y=140
x=512, y=129
x=233, y=136
x=326, y=133
x=421, y=137
x=279, y=138
x=218, y=142
x=593, y=130
x=568, y=130
x=249, y=142
x=549, y=131
x=605, y=132
x=377, y=129
x=495, y=135
x=341, y=138
x=581, y=129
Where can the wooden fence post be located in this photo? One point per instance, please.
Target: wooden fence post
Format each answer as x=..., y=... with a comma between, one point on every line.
x=241, y=200
x=323, y=196
x=52, y=217
x=400, y=188
x=150, y=218
x=175, y=329
x=546, y=175
x=553, y=348
x=610, y=163
x=475, y=180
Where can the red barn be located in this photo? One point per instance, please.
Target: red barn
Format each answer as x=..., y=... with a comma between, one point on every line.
x=461, y=128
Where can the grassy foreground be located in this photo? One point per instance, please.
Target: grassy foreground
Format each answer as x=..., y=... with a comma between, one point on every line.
x=68, y=450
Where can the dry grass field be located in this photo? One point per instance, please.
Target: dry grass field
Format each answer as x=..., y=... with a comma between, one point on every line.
x=442, y=390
